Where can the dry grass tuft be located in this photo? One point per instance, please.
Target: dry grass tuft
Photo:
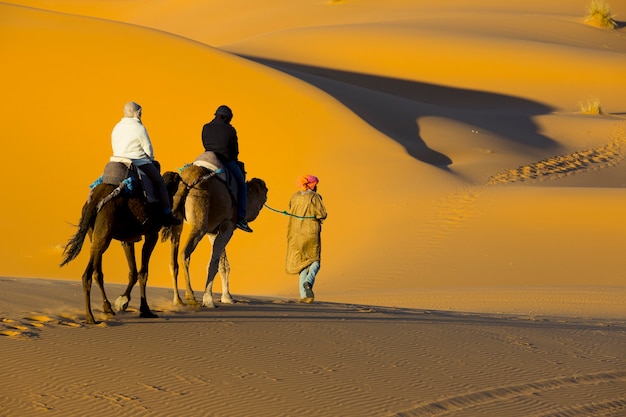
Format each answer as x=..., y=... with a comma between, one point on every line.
x=591, y=107
x=599, y=15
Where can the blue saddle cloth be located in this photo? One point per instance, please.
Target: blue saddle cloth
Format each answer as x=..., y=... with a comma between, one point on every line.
x=132, y=179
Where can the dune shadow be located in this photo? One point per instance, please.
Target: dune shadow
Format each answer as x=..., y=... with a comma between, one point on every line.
x=394, y=107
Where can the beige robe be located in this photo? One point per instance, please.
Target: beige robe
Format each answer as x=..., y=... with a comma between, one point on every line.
x=304, y=244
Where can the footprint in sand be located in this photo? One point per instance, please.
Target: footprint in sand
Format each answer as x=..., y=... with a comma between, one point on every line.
x=39, y=320
x=16, y=331
x=30, y=326
x=560, y=166
x=70, y=324
x=10, y=333
x=12, y=328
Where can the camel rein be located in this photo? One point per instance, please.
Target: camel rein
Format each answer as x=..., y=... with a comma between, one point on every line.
x=211, y=174
x=288, y=214
x=201, y=178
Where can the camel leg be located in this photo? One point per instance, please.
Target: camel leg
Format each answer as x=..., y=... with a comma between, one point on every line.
x=224, y=271
x=192, y=242
x=95, y=261
x=219, y=246
x=146, y=252
x=87, y=278
x=174, y=247
x=106, y=305
x=121, y=303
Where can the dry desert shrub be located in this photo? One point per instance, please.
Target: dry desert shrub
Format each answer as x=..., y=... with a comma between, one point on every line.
x=591, y=107
x=599, y=14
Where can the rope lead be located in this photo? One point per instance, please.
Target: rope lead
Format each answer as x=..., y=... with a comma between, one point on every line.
x=288, y=214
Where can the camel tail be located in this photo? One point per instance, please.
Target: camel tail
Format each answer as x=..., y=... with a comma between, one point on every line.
x=178, y=208
x=75, y=244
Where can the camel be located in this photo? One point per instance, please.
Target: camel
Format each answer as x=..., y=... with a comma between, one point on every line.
x=204, y=201
x=125, y=219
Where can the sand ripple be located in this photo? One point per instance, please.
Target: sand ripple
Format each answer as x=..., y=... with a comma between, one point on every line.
x=267, y=358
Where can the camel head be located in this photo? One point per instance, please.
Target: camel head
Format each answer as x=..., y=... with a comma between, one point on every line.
x=257, y=196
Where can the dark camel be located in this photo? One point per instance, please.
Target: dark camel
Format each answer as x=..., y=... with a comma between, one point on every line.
x=125, y=219
x=206, y=203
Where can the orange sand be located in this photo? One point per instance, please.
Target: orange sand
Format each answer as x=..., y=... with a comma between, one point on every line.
x=457, y=170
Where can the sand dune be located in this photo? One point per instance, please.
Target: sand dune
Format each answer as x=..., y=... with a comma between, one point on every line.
x=416, y=131
x=472, y=259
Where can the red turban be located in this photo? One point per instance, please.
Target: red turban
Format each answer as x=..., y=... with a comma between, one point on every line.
x=307, y=182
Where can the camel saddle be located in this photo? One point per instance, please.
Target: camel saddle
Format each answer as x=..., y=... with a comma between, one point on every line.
x=122, y=170
x=210, y=161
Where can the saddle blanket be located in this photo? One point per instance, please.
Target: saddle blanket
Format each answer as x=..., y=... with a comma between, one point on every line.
x=211, y=162
x=122, y=170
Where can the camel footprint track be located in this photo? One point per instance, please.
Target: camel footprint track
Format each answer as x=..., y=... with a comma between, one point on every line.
x=508, y=393
x=560, y=166
x=32, y=325
x=457, y=207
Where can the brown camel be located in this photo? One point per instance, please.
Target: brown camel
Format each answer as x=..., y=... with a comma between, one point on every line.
x=125, y=219
x=205, y=202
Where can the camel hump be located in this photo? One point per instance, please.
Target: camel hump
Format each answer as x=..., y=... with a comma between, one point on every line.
x=208, y=160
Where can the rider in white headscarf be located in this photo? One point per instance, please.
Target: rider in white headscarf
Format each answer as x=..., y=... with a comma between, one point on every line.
x=130, y=139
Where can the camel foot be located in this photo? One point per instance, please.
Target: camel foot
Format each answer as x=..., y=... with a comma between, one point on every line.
x=148, y=315
x=207, y=301
x=121, y=303
x=227, y=299
x=90, y=320
x=107, y=309
x=191, y=300
x=177, y=301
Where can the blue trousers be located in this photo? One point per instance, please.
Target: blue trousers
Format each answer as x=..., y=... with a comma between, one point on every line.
x=242, y=189
x=153, y=173
x=308, y=274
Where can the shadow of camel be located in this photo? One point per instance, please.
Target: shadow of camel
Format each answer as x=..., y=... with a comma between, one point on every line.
x=394, y=107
